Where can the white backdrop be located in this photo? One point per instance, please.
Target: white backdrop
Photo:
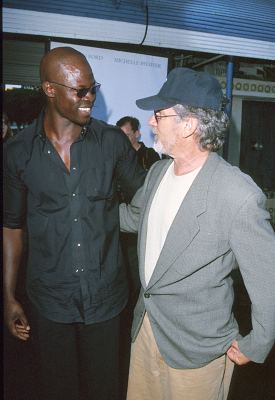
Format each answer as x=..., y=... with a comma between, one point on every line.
x=124, y=77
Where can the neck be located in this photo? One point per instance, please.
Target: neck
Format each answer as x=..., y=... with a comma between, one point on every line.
x=136, y=146
x=185, y=164
x=60, y=129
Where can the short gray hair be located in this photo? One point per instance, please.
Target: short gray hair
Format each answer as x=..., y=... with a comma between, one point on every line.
x=212, y=125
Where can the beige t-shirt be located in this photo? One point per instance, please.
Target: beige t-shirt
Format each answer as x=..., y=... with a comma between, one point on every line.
x=165, y=205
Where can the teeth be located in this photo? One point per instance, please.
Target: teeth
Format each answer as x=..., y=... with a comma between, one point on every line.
x=87, y=109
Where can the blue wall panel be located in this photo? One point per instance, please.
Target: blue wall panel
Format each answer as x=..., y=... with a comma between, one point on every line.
x=250, y=19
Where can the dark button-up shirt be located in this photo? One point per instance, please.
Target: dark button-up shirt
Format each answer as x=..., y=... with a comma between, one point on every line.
x=75, y=269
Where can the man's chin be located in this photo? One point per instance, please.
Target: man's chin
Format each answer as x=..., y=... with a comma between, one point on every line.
x=158, y=147
x=84, y=121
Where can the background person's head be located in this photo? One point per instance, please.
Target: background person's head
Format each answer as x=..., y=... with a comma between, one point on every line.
x=131, y=127
x=68, y=82
x=195, y=95
x=6, y=129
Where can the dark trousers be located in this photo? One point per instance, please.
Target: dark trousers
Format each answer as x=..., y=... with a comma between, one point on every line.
x=77, y=361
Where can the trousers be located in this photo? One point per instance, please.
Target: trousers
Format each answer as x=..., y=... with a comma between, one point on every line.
x=151, y=378
x=77, y=361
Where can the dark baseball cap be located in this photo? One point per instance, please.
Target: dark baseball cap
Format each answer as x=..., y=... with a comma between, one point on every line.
x=187, y=87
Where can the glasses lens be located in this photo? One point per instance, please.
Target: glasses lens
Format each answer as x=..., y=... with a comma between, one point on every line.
x=93, y=90
x=82, y=92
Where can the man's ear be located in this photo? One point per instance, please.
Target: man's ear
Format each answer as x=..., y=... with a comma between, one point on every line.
x=48, y=89
x=190, y=125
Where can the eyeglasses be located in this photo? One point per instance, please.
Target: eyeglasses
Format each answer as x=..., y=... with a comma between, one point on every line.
x=158, y=117
x=81, y=92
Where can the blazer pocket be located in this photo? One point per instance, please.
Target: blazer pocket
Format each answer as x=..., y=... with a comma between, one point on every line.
x=205, y=327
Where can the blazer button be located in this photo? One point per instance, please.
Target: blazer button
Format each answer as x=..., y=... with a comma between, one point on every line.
x=147, y=295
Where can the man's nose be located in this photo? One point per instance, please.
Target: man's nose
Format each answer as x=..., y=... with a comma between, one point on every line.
x=152, y=120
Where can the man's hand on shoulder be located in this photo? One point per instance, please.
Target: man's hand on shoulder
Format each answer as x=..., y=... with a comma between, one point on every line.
x=236, y=355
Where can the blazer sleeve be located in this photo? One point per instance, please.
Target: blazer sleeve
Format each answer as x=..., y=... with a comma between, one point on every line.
x=253, y=243
x=130, y=214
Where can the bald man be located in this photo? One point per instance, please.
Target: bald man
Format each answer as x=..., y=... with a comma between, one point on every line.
x=60, y=180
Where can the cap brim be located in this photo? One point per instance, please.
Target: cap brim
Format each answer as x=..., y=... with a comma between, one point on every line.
x=154, y=103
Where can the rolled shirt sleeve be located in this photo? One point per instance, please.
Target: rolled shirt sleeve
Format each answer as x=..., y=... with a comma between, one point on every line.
x=14, y=191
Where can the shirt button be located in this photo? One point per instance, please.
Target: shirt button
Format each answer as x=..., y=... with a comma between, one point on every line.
x=75, y=220
x=74, y=168
x=76, y=270
x=49, y=151
x=74, y=194
x=147, y=295
x=82, y=269
x=78, y=245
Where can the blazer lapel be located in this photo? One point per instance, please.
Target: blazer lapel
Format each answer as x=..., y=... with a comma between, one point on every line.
x=185, y=225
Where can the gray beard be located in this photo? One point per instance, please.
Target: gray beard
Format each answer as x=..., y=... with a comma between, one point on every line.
x=158, y=147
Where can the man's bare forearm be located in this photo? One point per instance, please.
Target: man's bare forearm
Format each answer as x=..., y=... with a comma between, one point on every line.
x=12, y=254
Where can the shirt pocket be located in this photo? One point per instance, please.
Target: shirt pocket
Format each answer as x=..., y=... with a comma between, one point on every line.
x=100, y=181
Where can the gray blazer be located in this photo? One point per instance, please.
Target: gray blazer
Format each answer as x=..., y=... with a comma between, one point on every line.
x=221, y=222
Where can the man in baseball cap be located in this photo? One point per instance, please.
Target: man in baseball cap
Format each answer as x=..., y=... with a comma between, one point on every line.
x=197, y=217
